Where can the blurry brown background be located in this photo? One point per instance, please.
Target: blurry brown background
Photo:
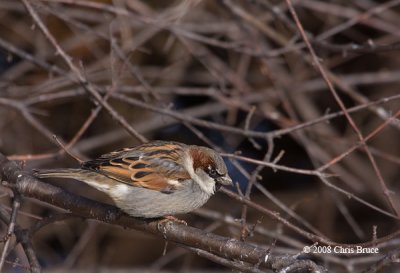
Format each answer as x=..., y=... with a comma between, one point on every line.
x=242, y=64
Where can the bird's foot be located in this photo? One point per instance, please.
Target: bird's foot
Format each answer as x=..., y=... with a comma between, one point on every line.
x=170, y=218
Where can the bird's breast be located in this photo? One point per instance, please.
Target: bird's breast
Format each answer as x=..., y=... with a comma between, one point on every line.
x=142, y=202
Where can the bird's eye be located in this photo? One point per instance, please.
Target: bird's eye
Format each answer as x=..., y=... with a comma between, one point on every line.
x=212, y=172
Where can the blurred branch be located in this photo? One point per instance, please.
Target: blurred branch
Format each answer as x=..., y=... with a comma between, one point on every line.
x=22, y=236
x=79, y=76
x=11, y=227
x=324, y=74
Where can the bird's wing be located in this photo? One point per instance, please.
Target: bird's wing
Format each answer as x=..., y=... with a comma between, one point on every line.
x=156, y=166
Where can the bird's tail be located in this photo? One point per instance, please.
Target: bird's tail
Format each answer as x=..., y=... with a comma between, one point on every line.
x=91, y=178
x=60, y=173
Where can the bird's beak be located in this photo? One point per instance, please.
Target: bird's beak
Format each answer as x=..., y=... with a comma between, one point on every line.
x=225, y=180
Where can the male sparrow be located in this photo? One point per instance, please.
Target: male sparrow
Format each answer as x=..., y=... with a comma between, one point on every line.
x=159, y=178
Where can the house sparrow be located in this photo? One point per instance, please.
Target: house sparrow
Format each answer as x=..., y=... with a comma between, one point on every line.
x=159, y=178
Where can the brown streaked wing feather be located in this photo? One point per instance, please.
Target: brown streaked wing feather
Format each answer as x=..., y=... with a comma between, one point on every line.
x=124, y=174
x=142, y=166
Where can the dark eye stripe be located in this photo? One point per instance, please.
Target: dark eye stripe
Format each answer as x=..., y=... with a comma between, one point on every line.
x=213, y=172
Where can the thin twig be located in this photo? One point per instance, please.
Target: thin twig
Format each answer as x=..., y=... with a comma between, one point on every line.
x=11, y=225
x=79, y=77
x=339, y=101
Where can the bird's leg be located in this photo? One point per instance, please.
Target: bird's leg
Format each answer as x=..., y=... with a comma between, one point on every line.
x=173, y=219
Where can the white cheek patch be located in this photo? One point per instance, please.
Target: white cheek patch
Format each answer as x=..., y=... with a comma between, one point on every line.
x=206, y=183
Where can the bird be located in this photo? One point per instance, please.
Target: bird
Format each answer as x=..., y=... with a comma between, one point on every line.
x=153, y=180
